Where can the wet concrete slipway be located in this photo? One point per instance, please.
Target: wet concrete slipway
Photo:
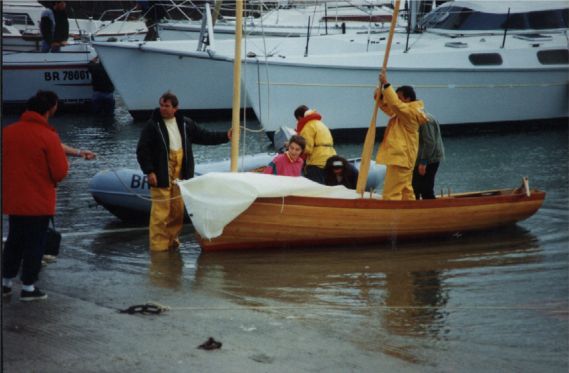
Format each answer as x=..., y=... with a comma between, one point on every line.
x=489, y=302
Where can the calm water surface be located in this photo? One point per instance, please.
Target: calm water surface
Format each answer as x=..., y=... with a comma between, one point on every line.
x=493, y=301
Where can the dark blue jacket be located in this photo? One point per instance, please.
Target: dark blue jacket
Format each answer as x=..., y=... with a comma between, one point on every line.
x=154, y=146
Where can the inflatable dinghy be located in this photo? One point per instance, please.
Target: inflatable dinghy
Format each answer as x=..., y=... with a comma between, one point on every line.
x=125, y=192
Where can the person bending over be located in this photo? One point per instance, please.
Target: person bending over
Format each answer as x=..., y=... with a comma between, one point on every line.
x=340, y=172
x=319, y=142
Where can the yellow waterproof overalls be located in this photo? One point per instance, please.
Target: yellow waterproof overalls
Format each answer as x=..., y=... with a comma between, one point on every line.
x=167, y=213
x=398, y=150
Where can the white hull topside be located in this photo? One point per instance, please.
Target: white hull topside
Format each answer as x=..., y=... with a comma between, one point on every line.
x=454, y=89
x=344, y=96
x=142, y=73
x=338, y=77
x=65, y=73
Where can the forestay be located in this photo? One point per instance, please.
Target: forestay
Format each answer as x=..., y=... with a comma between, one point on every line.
x=215, y=199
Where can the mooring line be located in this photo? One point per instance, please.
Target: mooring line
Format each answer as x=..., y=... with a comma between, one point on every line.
x=103, y=231
x=98, y=231
x=324, y=307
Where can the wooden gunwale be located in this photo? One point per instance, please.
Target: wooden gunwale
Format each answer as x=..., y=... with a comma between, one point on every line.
x=457, y=200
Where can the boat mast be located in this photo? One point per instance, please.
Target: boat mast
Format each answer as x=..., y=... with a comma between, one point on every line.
x=370, y=136
x=413, y=14
x=236, y=86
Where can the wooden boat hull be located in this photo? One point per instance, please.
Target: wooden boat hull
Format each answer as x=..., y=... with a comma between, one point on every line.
x=308, y=221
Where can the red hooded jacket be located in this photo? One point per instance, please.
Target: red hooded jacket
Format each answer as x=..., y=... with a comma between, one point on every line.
x=33, y=162
x=312, y=115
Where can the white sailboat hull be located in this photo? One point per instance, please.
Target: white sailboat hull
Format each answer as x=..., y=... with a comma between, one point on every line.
x=141, y=73
x=65, y=73
x=202, y=80
x=454, y=95
x=464, y=69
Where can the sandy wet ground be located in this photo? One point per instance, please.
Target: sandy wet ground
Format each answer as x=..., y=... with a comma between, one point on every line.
x=79, y=327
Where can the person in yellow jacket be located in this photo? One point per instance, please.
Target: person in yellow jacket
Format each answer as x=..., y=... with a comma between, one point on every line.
x=319, y=142
x=398, y=150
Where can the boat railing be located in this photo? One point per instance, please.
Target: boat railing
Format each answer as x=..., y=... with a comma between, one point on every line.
x=123, y=15
x=18, y=20
x=523, y=189
x=7, y=52
x=482, y=33
x=183, y=9
x=122, y=19
x=486, y=193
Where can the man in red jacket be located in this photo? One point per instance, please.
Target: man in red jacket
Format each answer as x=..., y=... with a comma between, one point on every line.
x=33, y=163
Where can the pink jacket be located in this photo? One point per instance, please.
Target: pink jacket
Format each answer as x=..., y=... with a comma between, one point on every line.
x=283, y=166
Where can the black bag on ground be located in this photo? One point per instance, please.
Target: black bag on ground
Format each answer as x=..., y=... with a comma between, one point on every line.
x=52, y=241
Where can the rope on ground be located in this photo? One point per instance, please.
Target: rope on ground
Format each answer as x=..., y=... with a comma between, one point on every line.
x=150, y=308
x=210, y=344
x=157, y=308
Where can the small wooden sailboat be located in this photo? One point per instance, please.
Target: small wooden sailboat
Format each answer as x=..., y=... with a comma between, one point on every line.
x=314, y=215
x=310, y=221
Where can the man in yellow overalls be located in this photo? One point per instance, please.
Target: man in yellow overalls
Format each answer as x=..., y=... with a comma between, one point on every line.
x=398, y=150
x=164, y=153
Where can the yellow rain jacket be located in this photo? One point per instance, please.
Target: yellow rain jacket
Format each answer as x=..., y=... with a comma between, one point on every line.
x=319, y=142
x=401, y=139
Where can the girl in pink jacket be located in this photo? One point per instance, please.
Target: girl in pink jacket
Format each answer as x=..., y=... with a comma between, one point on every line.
x=290, y=162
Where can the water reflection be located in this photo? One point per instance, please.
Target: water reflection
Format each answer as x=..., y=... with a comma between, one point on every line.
x=375, y=296
x=415, y=302
x=166, y=269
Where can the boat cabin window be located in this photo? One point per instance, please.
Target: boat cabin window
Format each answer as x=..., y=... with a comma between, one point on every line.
x=485, y=59
x=18, y=19
x=534, y=37
x=553, y=57
x=456, y=44
x=456, y=18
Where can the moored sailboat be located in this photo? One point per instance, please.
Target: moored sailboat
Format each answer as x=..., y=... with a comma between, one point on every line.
x=66, y=73
x=469, y=57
